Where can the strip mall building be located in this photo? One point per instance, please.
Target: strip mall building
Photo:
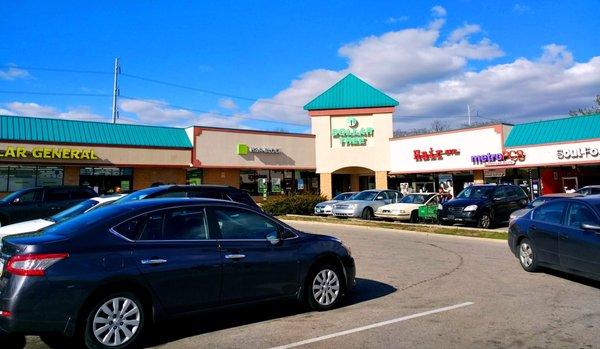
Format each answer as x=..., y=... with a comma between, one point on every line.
x=351, y=147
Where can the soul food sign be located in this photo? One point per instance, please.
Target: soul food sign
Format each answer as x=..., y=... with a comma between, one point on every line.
x=48, y=153
x=352, y=135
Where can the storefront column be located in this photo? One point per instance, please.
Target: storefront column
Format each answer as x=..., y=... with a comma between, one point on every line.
x=381, y=180
x=478, y=177
x=325, y=185
x=71, y=176
x=355, y=182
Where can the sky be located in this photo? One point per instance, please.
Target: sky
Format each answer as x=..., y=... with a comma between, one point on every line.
x=254, y=64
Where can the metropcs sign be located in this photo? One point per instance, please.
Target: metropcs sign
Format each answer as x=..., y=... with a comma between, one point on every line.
x=507, y=158
x=352, y=135
x=48, y=153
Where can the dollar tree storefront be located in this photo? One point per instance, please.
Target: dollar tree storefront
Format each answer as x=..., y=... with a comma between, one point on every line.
x=39, y=152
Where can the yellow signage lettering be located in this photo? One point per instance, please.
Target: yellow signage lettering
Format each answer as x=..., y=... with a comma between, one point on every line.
x=21, y=152
x=85, y=154
x=37, y=153
x=56, y=153
x=47, y=153
x=75, y=154
x=92, y=155
x=66, y=153
x=9, y=152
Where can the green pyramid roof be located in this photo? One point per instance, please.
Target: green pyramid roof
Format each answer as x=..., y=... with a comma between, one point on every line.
x=351, y=92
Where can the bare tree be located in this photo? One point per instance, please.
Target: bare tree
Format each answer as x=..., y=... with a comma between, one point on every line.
x=587, y=111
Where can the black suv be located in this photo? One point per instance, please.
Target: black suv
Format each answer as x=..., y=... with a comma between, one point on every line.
x=41, y=202
x=483, y=205
x=220, y=192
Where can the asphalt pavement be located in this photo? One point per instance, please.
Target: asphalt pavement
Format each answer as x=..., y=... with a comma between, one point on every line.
x=414, y=290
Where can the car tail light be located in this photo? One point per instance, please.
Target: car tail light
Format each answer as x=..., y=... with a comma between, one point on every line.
x=4, y=313
x=33, y=264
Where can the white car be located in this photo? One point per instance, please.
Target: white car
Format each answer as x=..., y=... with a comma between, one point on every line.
x=407, y=209
x=37, y=224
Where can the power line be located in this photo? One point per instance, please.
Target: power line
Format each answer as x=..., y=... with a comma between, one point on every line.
x=216, y=93
x=241, y=116
x=60, y=70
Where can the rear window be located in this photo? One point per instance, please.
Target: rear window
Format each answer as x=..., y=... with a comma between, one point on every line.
x=90, y=220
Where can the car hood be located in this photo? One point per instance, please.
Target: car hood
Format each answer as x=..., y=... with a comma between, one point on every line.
x=464, y=202
x=520, y=213
x=24, y=227
x=399, y=206
x=350, y=202
x=330, y=202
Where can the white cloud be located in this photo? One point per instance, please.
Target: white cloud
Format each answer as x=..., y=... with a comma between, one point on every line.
x=392, y=20
x=160, y=113
x=520, y=8
x=227, y=103
x=433, y=75
x=39, y=110
x=438, y=11
x=13, y=73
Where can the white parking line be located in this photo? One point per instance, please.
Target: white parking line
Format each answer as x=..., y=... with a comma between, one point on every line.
x=378, y=324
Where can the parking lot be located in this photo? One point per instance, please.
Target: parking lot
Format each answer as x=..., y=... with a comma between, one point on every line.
x=413, y=290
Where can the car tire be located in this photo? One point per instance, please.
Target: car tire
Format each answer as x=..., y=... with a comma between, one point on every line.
x=367, y=214
x=485, y=221
x=324, y=287
x=414, y=216
x=527, y=255
x=128, y=319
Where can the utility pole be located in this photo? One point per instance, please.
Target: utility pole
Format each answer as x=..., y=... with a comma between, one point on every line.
x=469, y=113
x=115, y=112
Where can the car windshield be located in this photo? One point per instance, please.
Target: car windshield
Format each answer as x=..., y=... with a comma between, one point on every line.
x=474, y=192
x=74, y=211
x=414, y=199
x=538, y=202
x=365, y=195
x=136, y=195
x=12, y=197
x=343, y=196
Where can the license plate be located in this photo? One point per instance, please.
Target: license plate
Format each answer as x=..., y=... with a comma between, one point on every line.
x=450, y=216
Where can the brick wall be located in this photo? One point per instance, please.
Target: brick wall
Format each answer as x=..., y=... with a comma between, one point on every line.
x=221, y=176
x=144, y=177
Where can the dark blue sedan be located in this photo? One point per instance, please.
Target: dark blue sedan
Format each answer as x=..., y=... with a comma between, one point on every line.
x=103, y=277
x=561, y=234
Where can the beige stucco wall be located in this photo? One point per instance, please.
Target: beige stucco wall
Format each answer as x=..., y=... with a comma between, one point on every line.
x=374, y=155
x=107, y=156
x=218, y=149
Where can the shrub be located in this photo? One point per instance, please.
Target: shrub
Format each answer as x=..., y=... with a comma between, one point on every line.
x=293, y=204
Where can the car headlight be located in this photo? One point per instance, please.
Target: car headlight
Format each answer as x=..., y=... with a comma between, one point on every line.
x=470, y=208
x=440, y=207
x=353, y=206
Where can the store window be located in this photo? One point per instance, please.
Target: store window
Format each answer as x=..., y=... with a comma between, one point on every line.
x=13, y=178
x=194, y=177
x=107, y=180
x=278, y=182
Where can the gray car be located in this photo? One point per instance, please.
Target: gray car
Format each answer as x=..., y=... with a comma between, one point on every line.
x=325, y=208
x=365, y=203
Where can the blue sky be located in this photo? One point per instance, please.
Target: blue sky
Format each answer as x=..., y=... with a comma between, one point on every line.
x=513, y=61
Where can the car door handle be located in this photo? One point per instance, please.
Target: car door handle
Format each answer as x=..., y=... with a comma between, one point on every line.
x=153, y=261
x=564, y=237
x=235, y=256
x=532, y=227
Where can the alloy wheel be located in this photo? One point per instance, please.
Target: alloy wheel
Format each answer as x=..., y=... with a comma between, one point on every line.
x=326, y=287
x=116, y=321
x=485, y=221
x=526, y=254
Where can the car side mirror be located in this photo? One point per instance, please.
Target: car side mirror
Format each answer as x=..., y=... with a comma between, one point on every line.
x=592, y=227
x=16, y=201
x=379, y=198
x=273, y=238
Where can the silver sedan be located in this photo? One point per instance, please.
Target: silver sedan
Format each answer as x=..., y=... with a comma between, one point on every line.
x=365, y=203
